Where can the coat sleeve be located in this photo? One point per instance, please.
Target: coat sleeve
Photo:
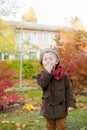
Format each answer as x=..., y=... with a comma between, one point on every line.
x=43, y=79
x=70, y=97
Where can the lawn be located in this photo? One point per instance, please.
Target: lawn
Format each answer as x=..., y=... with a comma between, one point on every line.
x=20, y=119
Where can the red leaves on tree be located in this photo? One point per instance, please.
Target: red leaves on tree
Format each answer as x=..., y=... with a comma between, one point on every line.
x=73, y=57
x=6, y=81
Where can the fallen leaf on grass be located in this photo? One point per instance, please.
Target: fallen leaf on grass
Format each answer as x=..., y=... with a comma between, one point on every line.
x=24, y=125
x=5, y=122
x=29, y=107
x=18, y=124
x=37, y=121
x=5, y=115
x=18, y=128
x=13, y=122
x=31, y=121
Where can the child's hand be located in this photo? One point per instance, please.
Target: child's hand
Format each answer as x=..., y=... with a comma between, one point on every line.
x=70, y=109
x=49, y=67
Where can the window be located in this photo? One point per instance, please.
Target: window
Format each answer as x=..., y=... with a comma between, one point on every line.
x=32, y=55
x=6, y=56
x=45, y=38
x=32, y=37
x=0, y=56
x=19, y=36
x=18, y=56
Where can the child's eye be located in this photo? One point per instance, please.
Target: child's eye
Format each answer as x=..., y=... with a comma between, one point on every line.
x=45, y=59
x=50, y=58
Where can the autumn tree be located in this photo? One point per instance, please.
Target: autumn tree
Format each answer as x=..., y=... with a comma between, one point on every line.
x=75, y=23
x=30, y=16
x=72, y=46
x=7, y=38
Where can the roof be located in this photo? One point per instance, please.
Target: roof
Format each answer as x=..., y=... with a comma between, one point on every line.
x=36, y=26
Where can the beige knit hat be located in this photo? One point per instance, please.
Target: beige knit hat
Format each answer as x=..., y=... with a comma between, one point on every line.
x=48, y=50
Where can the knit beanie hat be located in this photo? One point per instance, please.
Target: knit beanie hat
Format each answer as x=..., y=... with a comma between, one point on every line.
x=48, y=50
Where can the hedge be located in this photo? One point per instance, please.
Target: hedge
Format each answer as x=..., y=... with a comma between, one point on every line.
x=29, y=67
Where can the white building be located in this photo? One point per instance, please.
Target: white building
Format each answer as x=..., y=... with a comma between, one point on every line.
x=42, y=36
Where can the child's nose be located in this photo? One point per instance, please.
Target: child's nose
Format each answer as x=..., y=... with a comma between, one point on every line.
x=48, y=62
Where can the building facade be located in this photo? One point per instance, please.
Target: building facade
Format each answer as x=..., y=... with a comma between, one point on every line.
x=32, y=38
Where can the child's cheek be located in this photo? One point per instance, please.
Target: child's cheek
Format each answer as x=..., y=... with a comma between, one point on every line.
x=44, y=64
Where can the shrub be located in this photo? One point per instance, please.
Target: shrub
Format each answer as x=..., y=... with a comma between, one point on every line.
x=29, y=68
x=6, y=81
x=72, y=46
x=15, y=65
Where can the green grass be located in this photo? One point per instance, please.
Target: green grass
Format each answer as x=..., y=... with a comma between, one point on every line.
x=30, y=92
x=81, y=99
x=77, y=119
x=32, y=120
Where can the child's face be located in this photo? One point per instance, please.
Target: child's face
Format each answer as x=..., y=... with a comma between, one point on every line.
x=49, y=59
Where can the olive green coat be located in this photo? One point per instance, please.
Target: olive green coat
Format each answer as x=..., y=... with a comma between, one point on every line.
x=57, y=95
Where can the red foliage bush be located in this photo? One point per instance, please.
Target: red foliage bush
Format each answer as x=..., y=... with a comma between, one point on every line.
x=7, y=81
x=73, y=58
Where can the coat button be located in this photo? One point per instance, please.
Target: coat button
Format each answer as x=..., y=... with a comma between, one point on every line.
x=51, y=104
x=52, y=89
x=60, y=103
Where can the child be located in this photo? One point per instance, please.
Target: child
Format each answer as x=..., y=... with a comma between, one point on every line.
x=57, y=98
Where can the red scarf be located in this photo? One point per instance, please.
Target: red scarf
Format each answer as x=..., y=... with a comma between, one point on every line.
x=58, y=73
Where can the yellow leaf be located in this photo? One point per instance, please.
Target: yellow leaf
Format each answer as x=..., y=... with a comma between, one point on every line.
x=29, y=107
x=17, y=124
x=5, y=115
x=5, y=122
x=24, y=125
